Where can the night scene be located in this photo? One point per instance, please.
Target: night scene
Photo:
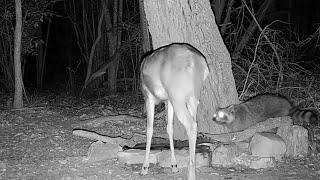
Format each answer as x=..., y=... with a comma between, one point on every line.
x=159, y=89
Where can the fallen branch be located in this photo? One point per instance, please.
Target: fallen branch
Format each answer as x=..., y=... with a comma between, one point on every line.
x=98, y=122
x=96, y=136
x=28, y=108
x=130, y=142
x=246, y=134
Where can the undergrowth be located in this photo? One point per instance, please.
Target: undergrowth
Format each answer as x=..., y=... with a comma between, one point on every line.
x=292, y=72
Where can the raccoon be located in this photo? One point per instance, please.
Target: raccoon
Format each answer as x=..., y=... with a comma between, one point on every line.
x=259, y=108
x=304, y=117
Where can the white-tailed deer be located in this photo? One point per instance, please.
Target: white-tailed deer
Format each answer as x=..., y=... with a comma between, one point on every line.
x=175, y=74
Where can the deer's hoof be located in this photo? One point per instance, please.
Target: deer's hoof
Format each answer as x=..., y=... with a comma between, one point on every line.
x=144, y=170
x=174, y=168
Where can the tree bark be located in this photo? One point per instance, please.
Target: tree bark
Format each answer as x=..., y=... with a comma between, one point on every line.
x=146, y=44
x=193, y=22
x=93, y=50
x=41, y=56
x=114, y=38
x=18, y=101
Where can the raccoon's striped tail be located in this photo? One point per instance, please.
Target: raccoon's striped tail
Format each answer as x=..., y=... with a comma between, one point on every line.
x=304, y=117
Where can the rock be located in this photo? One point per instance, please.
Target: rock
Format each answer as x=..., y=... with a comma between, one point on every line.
x=182, y=157
x=233, y=156
x=243, y=145
x=262, y=163
x=296, y=139
x=245, y=159
x=99, y=151
x=267, y=145
x=136, y=156
x=225, y=154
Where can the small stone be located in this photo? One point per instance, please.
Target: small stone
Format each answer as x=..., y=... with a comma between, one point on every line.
x=136, y=156
x=262, y=163
x=182, y=157
x=245, y=159
x=64, y=161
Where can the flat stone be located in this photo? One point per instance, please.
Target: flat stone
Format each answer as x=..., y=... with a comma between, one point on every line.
x=182, y=157
x=99, y=151
x=267, y=145
x=262, y=163
x=136, y=156
x=163, y=158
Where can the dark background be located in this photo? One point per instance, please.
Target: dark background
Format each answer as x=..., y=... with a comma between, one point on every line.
x=296, y=22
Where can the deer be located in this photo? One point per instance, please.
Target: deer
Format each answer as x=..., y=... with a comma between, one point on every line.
x=174, y=74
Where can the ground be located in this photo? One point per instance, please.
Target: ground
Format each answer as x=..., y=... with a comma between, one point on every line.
x=37, y=143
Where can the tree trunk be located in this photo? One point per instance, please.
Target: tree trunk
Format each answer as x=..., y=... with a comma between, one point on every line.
x=100, y=54
x=193, y=22
x=18, y=101
x=41, y=56
x=114, y=38
x=146, y=44
x=39, y=60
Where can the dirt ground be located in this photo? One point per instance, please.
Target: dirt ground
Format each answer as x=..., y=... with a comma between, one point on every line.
x=37, y=143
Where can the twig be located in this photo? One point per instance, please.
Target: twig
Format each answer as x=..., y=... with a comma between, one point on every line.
x=251, y=65
x=96, y=136
x=280, y=77
x=27, y=108
x=251, y=28
x=227, y=18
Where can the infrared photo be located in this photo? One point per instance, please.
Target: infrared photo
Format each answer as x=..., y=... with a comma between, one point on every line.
x=149, y=89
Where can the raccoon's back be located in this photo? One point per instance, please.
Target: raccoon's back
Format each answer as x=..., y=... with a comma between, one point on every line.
x=268, y=106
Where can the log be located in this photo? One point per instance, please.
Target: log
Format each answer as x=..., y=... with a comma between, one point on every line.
x=248, y=133
x=99, y=137
x=98, y=122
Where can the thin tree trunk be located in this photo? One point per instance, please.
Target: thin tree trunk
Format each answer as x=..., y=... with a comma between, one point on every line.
x=226, y=20
x=113, y=70
x=41, y=57
x=100, y=55
x=146, y=44
x=193, y=22
x=18, y=101
x=92, y=52
x=114, y=38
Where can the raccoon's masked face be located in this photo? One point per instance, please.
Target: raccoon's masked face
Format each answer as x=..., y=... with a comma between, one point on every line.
x=224, y=115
